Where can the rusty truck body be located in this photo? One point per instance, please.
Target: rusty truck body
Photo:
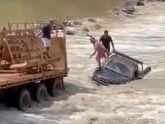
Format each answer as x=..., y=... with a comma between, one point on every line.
x=24, y=70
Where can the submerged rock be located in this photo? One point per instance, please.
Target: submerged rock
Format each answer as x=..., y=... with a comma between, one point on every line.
x=140, y=3
x=161, y=0
x=70, y=30
x=91, y=20
x=86, y=29
x=68, y=24
x=151, y=0
x=128, y=11
x=129, y=8
x=77, y=23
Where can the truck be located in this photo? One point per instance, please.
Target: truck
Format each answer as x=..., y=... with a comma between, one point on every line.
x=25, y=72
x=119, y=69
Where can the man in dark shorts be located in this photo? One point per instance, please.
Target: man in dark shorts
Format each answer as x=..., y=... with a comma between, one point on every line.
x=106, y=39
x=46, y=37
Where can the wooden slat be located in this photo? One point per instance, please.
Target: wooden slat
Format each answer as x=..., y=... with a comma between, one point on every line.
x=8, y=71
x=10, y=52
x=34, y=64
x=6, y=81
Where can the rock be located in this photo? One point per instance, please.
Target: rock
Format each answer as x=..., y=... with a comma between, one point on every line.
x=69, y=24
x=151, y=0
x=93, y=120
x=140, y=3
x=77, y=23
x=85, y=29
x=129, y=7
x=91, y=20
x=161, y=0
x=97, y=26
x=127, y=11
x=70, y=30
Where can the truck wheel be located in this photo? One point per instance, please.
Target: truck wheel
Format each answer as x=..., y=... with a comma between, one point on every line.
x=56, y=87
x=24, y=100
x=41, y=93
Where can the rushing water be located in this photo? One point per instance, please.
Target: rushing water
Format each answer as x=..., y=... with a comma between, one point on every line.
x=140, y=102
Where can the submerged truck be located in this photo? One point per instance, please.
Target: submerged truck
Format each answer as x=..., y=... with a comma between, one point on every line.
x=120, y=69
x=25, y=73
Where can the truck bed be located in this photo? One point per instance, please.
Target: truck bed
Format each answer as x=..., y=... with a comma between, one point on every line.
x=14, y=79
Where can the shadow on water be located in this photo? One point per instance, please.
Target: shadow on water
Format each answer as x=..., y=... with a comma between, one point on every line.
x=70, y=90
x=51, y=111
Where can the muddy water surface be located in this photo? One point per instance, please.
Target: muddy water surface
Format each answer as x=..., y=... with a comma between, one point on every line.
x=32, y=10
x=139, y=102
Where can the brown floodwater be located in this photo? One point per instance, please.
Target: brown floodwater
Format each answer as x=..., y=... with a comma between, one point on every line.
x=139, y=102
x=30, y=10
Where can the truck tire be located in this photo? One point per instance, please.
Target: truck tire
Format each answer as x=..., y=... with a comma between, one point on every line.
x=41, y=93
x=56, y=86
x=24, y=100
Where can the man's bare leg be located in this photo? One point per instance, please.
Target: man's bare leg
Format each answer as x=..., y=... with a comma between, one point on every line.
x=98, y=62
x=46, y=52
